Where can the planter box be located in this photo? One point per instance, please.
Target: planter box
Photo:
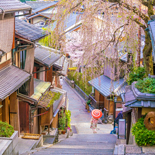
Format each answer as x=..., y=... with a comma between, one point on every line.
x=7, y=145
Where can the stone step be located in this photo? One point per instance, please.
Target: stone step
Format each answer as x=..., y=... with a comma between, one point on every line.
x=83, y=146
x=74, y=151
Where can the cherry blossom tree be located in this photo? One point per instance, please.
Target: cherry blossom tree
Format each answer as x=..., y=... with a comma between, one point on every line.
x=108, y=26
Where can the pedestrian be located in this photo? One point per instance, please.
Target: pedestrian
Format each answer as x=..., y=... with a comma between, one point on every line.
x=93, y=125
x=96, y=114
x=61, y=81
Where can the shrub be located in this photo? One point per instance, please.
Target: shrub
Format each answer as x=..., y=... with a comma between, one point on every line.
x=62, y=119
x=68, y=118
x=142, y=135
x=146, y=86
x=6, y=130
x=81, y=82
x=136, y=74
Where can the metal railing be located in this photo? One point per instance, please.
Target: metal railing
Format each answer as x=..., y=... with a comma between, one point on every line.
x=81, y=92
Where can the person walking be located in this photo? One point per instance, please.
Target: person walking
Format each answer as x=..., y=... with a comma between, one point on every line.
x=96, y=114
x=61, y=81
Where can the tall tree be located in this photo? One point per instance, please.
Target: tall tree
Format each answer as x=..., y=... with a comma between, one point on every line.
x=108, y=26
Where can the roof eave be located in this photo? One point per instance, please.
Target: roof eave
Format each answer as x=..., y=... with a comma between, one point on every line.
x=15, y=89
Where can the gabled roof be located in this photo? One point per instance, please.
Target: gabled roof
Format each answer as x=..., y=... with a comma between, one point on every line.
x=11, y=79
x=28, y=31
x=46, y=56
x=106, y=86
x=9, y=6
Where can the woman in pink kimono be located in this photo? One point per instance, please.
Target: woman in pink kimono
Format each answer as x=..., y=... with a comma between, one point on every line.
x=96, y=114
x=93, y=124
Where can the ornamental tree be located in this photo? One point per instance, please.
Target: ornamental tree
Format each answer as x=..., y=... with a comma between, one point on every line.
x=107, y=27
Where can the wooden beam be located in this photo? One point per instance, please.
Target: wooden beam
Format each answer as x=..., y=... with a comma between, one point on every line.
x=6, y=63
x=5, y=109
x=0, y=112
x=55, y=122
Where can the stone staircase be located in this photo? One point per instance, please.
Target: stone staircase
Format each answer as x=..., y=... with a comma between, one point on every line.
x=81, y=144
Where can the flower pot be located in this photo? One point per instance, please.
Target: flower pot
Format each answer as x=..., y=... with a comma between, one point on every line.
x=60, y=131
x=63, y=131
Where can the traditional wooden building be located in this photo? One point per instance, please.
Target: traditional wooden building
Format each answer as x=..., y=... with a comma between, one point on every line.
x=48, y=63
x=104, y=91
x=137, y=105
x=11, y=77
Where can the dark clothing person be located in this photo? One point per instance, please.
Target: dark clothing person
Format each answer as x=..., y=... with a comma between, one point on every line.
x=119, y=116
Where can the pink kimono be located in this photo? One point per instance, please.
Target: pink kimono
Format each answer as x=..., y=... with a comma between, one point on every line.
x=93, y=124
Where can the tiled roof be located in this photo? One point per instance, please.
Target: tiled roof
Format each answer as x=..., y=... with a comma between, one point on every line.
x=106, y=86
x=11, y=79
x=46, y=55
x=12, y=6
x=40, y=87
x=37, y=4
x=28, y=31
x=134, y=98
x=45, y=6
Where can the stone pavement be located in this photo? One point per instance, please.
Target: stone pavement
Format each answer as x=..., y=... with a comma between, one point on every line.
x=84, y=141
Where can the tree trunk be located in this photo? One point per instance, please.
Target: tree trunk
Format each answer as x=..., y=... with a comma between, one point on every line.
x=147, y=55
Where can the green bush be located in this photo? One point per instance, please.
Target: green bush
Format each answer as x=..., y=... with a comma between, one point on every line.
x=68, y=118
x=146, y=86
x=6, y=130
x=142, y=135
x=80, y=81
x=62, y=119
x=136, y=74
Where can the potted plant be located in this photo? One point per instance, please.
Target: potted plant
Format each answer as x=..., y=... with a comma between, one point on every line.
x=62, y=120
x=87, y=105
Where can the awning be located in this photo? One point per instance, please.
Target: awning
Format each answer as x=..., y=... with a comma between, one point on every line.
x=11, y=79
x=46, y=56
x=40, y=87
x=106, y=86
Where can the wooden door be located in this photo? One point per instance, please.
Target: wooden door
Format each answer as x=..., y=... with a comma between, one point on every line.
x=24, y=117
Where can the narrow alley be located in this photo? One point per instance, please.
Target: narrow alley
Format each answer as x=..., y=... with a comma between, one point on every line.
x=83, y=140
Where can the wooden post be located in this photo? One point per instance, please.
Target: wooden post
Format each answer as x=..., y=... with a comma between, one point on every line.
x=0, y=112
x=5, y=109
x=55, y=121
x=49, y=74
x=14, y=112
